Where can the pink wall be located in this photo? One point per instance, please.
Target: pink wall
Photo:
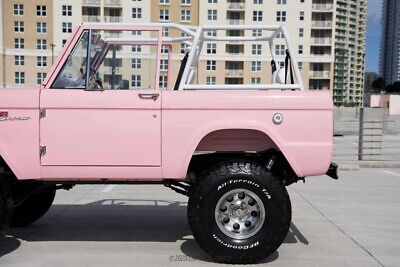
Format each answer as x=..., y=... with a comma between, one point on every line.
x=386, y=101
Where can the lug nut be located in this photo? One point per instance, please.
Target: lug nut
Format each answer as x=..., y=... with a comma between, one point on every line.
x=236, y=226
x=251, y=202
x=225, y=220
x=223, y=209
x=254, y=213
x=230, y=199
x=247, y=223
x=241, y=195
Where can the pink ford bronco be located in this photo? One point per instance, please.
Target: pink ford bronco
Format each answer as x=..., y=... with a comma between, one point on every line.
x=108, y=112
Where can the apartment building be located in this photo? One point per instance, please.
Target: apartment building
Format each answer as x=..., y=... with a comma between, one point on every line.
x=26, y=42
x=390, y=42
x=328, y=37
x=350, y=31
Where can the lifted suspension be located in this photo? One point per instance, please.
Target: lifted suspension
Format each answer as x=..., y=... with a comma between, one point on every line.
x=179, y=187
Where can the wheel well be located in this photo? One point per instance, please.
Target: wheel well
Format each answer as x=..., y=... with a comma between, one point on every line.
x=272, y=159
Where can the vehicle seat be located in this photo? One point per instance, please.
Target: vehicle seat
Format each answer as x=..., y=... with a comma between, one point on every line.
x=278, y=76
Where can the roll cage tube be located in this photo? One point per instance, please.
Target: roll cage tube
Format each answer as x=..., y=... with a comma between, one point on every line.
x=195, y=37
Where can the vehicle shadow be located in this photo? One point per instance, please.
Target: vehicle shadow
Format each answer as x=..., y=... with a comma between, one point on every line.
x=121, y=220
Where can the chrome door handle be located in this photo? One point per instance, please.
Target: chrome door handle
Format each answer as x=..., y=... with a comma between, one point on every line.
x=153, y=96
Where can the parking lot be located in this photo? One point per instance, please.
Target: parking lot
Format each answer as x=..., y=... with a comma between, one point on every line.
x=354, y=221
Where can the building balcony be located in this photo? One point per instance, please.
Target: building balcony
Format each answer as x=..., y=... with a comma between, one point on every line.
x=233, y=73
x=90, y=18
x=90, y=2
x=321, y=24
x=236, y=5
x=321, y=41
x=112, y=3
x=112, y=19
x=320, y=74
x=322, y=7
x=236, y=21
x=108, y=69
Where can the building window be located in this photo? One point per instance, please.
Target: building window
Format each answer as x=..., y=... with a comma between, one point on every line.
x=185, y=15
x=212, y=33
x=66, y=27
x=41, y=27
x=281, y=2
x=165, y=32
x=300, y=64
x=41, y=44
x=40, y=76
x=211, y=48
x=280, y=15
x=164, y=2
x=136, y=33
x=211, y=80
x=212, y=14
x=41, y=61
x=164, y=49
x=164, y=15
x=301, y=32
x=256, y=66
x=136, y=81
x=211, y=65
x=19, y=26
x=301, y=15
x=301, y=1
x=300, y=49
x=66, y=10
x=257, y=15
x=64, y=41
x=212, y=1
x=19, y=43
x=41, y=11
x=164, y=64
x=136, y=48
x=255, y=80
x=136, y=63
x=136, y=13
x=256, y=49
x=186, y=2
x=280, y=35
x=163, y=82
x=280, y=50
x=257, y=33
x=183, y=48
x=258, y=2
x=18, y=10
x=19, y=77
x=19, y=60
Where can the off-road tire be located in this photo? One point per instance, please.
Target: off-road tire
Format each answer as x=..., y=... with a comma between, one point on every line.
x=32, y=208
x=5, y=205
x=222, y=178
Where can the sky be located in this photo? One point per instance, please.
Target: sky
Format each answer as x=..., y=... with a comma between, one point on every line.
x=373, y=39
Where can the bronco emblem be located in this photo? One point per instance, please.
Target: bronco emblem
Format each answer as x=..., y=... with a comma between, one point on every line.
x=4, y=117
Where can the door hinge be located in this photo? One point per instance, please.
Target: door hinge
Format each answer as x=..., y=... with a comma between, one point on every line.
x=42, y=113
x=42, y=150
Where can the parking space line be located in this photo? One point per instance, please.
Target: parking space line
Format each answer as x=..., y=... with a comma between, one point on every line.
x=108, y=188
x=390, y=172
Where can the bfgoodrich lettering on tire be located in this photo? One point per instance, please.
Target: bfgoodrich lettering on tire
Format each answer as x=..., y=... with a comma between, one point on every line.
x=239, y=212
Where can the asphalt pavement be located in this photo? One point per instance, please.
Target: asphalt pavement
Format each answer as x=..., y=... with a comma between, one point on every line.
x=354, y=221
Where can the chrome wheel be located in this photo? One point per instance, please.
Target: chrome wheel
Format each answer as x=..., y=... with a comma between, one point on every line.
x=240, y=213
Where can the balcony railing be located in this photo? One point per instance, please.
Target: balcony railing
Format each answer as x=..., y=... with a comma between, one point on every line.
x=90, y=2
x=112, y=19
x=112, y=2
x=236, y=6
x=322, y=24
x=108, y=69
x=90, y=18
x=234, y=73
x=321, y=40
x=320, y=74
x=322, y=7
x=236, y=21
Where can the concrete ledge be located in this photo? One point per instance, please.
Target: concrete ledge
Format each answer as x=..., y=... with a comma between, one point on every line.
x=356, y=165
